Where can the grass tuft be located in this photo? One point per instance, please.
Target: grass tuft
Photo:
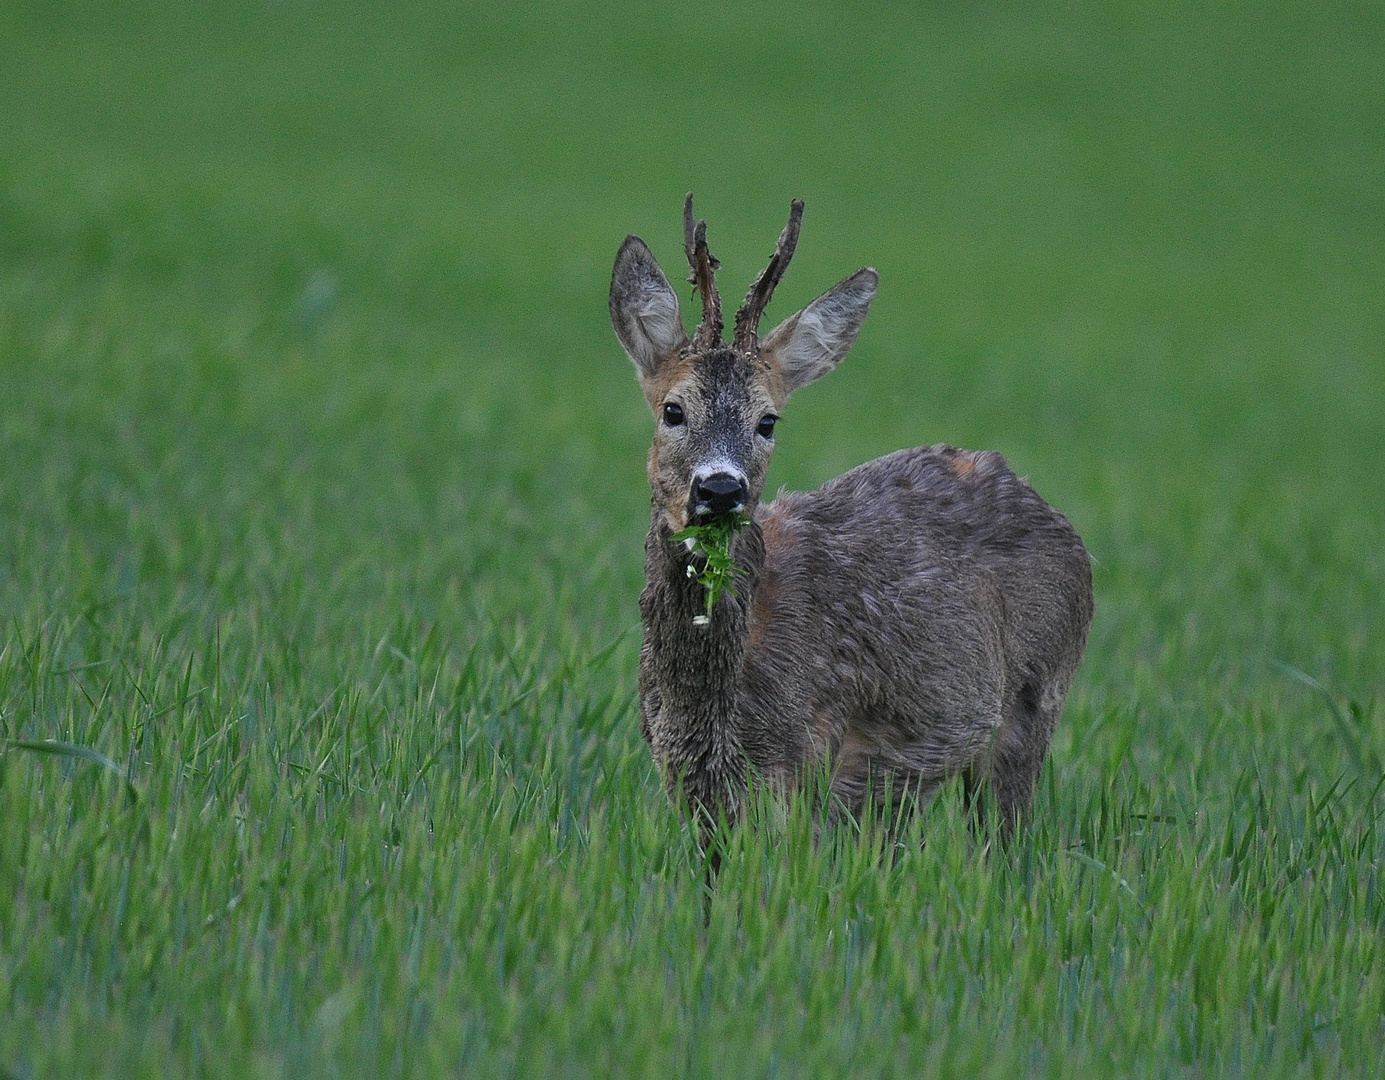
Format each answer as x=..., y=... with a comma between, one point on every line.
x=710, y=542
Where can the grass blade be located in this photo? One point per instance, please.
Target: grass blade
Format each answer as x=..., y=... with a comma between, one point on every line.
x=1350, y=736
x=57, y=748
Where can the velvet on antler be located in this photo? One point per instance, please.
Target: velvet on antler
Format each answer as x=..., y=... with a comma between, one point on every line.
x=748, y=318
x=702, y=277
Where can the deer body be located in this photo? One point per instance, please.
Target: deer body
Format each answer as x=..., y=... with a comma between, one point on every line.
x=920, y=616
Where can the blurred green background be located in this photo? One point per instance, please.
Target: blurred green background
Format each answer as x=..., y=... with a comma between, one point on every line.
x=1136, y=247
x=303, y=338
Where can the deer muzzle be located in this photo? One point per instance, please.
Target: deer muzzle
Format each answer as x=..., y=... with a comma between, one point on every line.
x=717, y=494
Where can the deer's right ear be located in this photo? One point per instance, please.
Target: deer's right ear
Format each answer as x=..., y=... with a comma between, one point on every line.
x=644, y=308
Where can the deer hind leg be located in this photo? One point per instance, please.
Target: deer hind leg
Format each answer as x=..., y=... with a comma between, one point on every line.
x=1017, y=755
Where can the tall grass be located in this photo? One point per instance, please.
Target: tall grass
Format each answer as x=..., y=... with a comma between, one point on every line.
x=321, y=505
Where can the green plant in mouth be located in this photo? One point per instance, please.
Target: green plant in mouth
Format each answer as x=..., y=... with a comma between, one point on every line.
x=712, y=541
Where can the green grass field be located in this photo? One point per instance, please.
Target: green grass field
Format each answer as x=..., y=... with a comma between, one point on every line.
x=322, y=498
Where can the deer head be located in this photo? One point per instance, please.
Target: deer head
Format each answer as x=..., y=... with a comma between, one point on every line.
x=716, y=404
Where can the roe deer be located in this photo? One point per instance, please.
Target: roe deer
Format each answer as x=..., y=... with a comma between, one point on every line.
x=918, y=617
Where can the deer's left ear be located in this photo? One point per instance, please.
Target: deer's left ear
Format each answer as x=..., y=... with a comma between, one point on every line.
x=806, y=346
x=644, y=308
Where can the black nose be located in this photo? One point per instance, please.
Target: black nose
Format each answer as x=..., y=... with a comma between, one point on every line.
x=721, y=493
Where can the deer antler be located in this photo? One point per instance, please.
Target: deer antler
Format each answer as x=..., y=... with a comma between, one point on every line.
x=748, y=318
x=703, y=277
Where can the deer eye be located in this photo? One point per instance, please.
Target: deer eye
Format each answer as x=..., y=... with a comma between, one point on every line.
x=765, y=428
x=673, y=414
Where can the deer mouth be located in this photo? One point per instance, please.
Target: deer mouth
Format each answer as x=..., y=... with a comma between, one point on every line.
x=699, y=514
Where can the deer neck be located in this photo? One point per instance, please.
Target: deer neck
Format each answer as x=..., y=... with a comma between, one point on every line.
x=694, y=671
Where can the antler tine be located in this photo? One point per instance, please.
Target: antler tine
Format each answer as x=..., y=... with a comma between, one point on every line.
x=689, y=237
x=702, y=277
x=748, y=318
